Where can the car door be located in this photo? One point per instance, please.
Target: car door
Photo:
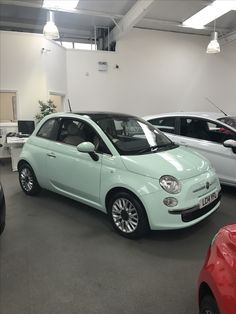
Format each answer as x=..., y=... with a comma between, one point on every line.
x=39, y=148
x=206, y=137
x=71, y=172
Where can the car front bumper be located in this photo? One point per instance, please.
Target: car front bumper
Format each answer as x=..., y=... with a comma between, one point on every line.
x=196, y=212
x=188, y=211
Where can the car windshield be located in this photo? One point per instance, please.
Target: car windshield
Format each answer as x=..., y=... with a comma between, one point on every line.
x=134, y=136
x=231, y=121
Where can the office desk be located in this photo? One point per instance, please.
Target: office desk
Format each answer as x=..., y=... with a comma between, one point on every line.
x=5, y=128
x=15, y=145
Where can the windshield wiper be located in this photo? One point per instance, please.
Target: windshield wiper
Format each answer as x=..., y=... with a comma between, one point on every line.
x=147, y=149
x=152, y=149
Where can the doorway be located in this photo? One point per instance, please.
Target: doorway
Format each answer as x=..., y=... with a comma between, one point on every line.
x=8, y=106
x=58, y=100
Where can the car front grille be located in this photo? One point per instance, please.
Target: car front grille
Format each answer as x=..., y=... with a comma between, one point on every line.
x=190, y=215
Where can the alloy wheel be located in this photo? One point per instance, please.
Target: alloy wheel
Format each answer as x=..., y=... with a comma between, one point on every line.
x=26, y=179
x=125, y=215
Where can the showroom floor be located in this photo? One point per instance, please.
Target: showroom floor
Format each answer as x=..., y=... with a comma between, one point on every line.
x=61, y=257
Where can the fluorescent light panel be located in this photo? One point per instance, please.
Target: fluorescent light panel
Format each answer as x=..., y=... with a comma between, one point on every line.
x=210, y=13
x=60, y=4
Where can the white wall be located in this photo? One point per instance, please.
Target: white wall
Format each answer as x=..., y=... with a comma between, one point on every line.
x=25, y=69
x=159, y=72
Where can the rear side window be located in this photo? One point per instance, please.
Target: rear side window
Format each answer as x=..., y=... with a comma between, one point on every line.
x=166, y=124
x=195, y=128
x=49, y=129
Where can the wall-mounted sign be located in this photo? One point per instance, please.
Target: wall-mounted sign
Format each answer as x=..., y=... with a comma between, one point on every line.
x=102, y=66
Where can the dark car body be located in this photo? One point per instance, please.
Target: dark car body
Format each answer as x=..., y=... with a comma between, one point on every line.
x=2, y=210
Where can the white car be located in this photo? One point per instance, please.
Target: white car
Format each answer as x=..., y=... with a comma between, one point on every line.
x=211, y=134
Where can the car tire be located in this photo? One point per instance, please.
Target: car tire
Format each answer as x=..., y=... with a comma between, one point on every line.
x=128, y=215
x=28, y=180
x=208, y=305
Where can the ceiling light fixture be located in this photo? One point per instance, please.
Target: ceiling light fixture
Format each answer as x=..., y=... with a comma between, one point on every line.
x=60, y=4
x=210, y=13
x=213, y=46
x=50, y=30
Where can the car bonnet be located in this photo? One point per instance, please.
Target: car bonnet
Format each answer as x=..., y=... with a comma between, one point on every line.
x=181, y=163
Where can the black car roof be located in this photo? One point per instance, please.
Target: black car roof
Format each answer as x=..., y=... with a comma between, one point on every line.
x=98, y=115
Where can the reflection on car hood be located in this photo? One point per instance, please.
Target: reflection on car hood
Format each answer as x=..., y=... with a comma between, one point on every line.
x=181, y=163
x=226, y=247
x=231, y=230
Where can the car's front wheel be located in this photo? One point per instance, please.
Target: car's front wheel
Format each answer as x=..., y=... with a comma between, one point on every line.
x=28, y=180
x=127, y=215
x=208, y=305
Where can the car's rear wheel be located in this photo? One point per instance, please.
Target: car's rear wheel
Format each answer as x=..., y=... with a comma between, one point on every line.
x=208, y=305
x=127, y=215
x=28, y=180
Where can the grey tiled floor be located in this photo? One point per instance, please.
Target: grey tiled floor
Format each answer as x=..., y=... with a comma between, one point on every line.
x=61, y=257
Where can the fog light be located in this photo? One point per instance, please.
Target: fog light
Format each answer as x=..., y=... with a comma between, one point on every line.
x=170, y=201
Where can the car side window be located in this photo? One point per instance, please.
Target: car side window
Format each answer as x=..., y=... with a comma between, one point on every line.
x=195, y=128
x=70, y=132
x=219, y=133
x=205, y=130
x=49, y=129
x=74, y=132
x=166, y=124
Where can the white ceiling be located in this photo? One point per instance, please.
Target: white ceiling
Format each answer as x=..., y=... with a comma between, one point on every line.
x=166, y=15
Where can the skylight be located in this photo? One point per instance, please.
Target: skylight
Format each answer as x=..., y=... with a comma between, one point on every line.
x=83, y=46
x=60, y=4
x=210, y=13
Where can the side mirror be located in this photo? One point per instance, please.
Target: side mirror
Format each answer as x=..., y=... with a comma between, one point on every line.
x=230, y=143
x=88, y=147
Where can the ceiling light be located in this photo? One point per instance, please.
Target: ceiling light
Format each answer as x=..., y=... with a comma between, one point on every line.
x=60, y=4
x=214, y=46
x=210, y=13
x=50, y=30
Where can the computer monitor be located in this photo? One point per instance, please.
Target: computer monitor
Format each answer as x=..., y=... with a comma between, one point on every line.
x=26, y=127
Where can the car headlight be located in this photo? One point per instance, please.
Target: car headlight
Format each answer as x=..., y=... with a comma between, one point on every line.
x=170, y=184
x=170, y=201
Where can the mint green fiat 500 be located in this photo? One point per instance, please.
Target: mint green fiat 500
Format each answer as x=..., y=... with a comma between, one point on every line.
x=122, y=165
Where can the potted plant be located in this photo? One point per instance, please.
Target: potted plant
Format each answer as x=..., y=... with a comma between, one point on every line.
x=45, y=109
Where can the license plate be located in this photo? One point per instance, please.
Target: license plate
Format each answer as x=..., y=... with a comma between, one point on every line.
x=208, y=199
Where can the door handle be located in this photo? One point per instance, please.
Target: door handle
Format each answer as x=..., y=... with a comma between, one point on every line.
x=51, y=155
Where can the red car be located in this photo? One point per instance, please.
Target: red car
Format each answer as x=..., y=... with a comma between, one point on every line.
x=217, y=280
